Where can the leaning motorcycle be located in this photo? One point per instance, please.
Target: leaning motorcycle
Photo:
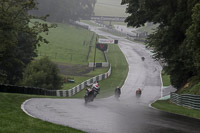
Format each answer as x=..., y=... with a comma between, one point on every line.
x=90, y=94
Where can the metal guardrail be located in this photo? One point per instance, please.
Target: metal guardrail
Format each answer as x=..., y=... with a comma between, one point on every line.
x=188, y=100
x=78, y=88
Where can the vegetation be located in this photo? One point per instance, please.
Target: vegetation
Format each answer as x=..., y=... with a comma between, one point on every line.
x=18, y=41
x=165, y=79
x=68, y=47
x=14, y=120
x=167, y=106
x=176, y=40
x=65, y=10
x=42, y=74
x=192, y=87
x=69, y=44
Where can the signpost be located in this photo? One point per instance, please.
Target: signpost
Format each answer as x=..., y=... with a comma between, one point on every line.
x=102, y=45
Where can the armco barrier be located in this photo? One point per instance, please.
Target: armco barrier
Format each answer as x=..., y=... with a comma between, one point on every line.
x=188, y=100
x=78, y=88
x=59, y=93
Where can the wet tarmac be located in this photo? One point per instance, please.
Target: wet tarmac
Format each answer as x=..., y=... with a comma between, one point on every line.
x=129, y=114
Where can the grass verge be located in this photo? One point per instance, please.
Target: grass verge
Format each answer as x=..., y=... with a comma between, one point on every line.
x=14, y=120
x=166, y=105
x=166, y=79
x=118, y=76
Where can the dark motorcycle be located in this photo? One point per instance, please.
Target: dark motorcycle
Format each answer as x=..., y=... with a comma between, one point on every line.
x=142, y=58
x=90, y=94
x=117, y=92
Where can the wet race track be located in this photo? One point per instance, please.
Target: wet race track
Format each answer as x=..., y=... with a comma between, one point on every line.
x=126, y=115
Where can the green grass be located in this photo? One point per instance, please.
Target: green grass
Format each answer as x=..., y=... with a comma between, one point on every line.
x=118, y=76
x=14, y=120
x=165, y=79
x=110, y=8
x=165, y=105
x=66, y=45
x=80, y=79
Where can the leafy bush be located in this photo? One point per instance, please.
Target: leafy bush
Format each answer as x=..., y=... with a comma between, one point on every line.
x=43, y=74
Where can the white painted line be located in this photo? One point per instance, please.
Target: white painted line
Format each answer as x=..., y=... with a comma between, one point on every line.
x=22, y=107
x=161, y=89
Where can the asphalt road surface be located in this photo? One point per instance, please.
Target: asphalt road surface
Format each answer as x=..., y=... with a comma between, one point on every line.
x=126, y=115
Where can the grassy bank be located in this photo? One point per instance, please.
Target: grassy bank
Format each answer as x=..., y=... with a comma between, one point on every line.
x=165, y=105
x=14, y=120
x=192, y=87
x=118, y=76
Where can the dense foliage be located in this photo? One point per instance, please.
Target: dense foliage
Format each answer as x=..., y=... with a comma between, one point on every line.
x=17, y=40
x=43, y=74
x=177, y=40
x=65, y=10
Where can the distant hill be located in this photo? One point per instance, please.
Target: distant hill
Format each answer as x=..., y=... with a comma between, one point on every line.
x=110, y=8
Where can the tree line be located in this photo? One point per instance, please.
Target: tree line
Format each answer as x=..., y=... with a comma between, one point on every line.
x=65, y=10
x=176, y=42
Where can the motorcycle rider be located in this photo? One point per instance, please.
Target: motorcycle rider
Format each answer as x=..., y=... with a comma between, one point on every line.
x=117, y=92
x=138, y=91
x=96, y=88
x=142, y=58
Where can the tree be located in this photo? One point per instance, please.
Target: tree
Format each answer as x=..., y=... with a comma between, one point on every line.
x=174, y=19
x=192, y=41
x=43, y=74
x=18, y=40
x=65, y=10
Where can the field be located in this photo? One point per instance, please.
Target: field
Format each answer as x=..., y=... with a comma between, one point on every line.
x=110, y=8
x=69, y=44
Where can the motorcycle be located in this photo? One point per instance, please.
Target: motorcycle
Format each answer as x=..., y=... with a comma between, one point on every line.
x=117, y=93
x=142, y=58
x=90, y=94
